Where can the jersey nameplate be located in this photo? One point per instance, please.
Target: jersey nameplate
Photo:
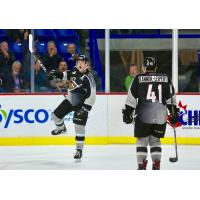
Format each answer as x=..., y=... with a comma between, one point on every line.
x=144, y=79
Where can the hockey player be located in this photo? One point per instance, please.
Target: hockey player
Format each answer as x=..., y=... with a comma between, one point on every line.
x=149, y=96
x=81, y=98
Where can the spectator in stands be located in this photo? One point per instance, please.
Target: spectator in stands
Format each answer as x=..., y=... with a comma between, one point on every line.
x=6, y=58
x=15, y=81
x=51, y=59
x=62, y=67
x=71, y=56
x=192, y=78
x=1, y=84
x=40, y=78
x=17, y=35
x=26, y=63
x=97, y=78
x=133, y=71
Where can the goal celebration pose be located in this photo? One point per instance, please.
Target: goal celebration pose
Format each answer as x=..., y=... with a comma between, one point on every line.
x=149, y=97
x=80, y=99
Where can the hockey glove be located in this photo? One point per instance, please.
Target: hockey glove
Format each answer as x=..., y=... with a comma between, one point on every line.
x=174, y=114
x=54, y=74
x=128, y=114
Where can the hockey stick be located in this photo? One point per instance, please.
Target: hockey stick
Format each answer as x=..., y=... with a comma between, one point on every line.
x=41, y=64
x=174, y=159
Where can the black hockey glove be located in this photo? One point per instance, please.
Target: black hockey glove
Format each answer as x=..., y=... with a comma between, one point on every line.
x=174, y=114
x=128, y=114
x=54, y=74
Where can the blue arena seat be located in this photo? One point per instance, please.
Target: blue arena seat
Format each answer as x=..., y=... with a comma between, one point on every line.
x=62, y=47
x=16, y=47
x=65, y=34
x=3, y=35
x=44, y=34
x=41, y=47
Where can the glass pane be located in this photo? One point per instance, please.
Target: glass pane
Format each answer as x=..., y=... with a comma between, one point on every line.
x=89, y=45
x=126, y=52
x=189, y=31
x=165, y=31
x=133, y=31
x=188, y=80
x=58, y=49
x=13, y=56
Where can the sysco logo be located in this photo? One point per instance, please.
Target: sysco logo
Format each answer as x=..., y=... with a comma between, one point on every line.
x=18, y=116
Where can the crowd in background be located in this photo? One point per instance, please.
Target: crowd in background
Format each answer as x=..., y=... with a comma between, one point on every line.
x=15, y=70
x=125, y=64
x=15, y=74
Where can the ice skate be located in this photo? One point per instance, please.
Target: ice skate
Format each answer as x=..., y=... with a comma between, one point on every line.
x=143, y=166
x=156, y=165
x=78, y=155
x=59, y=130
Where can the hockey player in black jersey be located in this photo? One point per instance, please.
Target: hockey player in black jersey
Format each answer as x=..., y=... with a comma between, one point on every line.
x=80, y=99
x=149, y=96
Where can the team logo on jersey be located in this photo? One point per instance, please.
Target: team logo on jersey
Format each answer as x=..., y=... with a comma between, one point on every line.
x=187, y=117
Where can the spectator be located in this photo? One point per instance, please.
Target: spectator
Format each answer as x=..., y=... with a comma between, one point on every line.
x=2, y=84
x=17, y=35
x=6, y=58
x=62, y=67
x=71, y=55
x=15, y=81
x=26, y=63
x=51, y=59
x=133, y=71
x=192, y=78
x=96, y=78
x=40, y=78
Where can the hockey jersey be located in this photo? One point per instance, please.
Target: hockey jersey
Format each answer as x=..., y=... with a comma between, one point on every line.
x=84, y=87
x=149, y=93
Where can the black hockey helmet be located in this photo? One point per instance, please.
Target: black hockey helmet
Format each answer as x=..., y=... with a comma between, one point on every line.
x=83, y=57
x=150, y=63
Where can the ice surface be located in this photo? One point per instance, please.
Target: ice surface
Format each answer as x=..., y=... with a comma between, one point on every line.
x=101, y=157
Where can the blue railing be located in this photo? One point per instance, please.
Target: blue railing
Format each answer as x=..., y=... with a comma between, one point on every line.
x=95, y=57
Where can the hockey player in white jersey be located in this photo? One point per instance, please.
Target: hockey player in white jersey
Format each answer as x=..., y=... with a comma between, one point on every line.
x=80, y=99
x=149, y=96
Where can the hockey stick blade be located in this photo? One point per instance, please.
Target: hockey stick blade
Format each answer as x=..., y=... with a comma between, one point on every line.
x=173, y=159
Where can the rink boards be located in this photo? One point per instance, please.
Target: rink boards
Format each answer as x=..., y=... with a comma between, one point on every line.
x=26, y=120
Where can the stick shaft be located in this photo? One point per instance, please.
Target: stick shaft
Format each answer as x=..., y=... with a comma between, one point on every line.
x=173, y=114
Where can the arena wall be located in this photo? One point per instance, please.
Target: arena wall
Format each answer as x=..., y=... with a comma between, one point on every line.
x=26, y=120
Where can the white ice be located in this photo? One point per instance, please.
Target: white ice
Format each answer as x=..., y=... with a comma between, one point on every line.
x=101, y=157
